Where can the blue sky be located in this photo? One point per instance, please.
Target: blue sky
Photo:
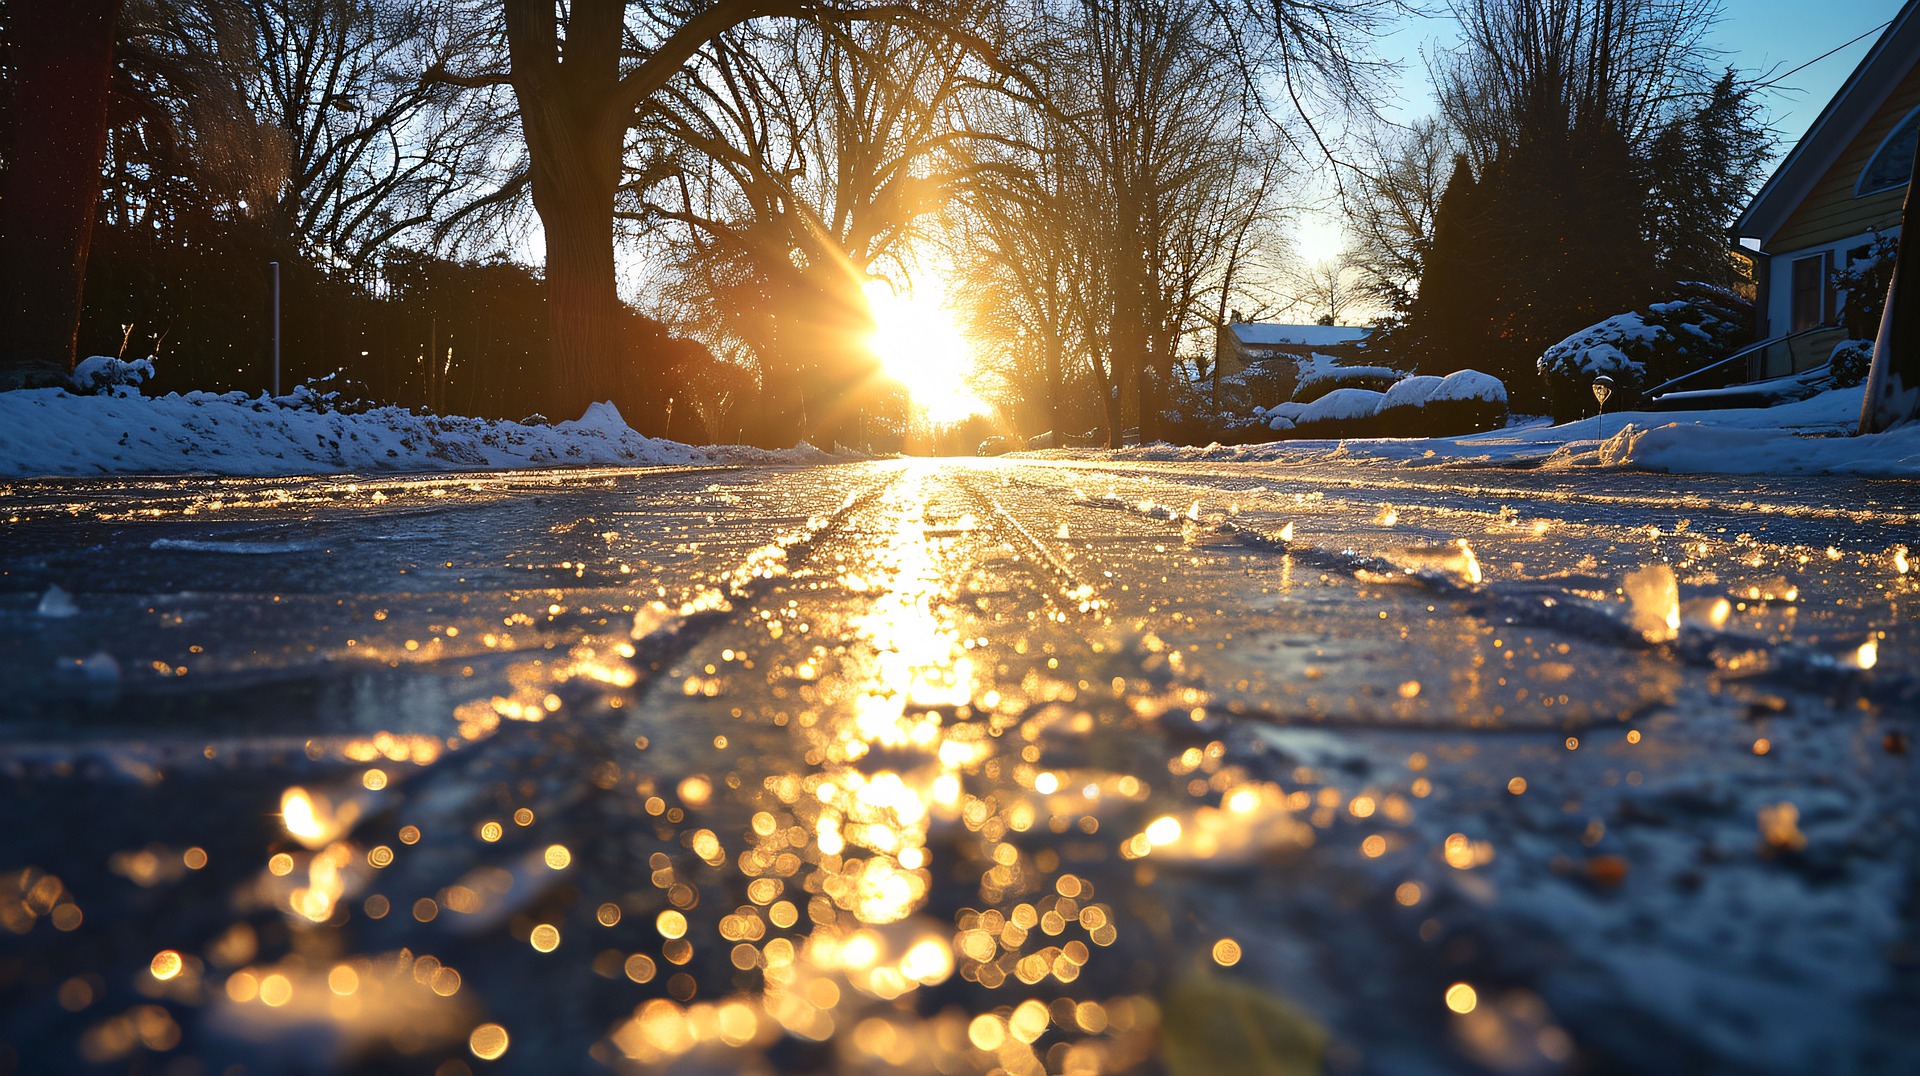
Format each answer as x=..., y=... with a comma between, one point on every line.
x=1755, y=35
x=1759, y=34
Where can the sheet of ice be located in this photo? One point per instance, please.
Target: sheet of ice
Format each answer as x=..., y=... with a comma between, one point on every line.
x=54, y=432
x=198, y=545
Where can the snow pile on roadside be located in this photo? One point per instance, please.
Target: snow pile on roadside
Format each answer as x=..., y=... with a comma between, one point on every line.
x=53, y=432
x=1813, y=436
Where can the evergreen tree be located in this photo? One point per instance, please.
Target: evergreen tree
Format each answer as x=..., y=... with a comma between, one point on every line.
x=1445, y=331
x=1702, y=167
x=1591, y=195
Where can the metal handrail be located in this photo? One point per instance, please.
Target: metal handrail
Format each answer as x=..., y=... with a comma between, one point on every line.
x=1739, y=355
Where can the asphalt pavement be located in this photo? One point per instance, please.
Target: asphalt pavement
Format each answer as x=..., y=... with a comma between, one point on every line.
x=1060, y=765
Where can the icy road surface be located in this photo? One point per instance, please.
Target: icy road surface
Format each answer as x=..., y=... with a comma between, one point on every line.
x=963, y=765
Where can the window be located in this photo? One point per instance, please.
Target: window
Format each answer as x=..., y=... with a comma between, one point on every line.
x=1812, y=291
x=1891, y=165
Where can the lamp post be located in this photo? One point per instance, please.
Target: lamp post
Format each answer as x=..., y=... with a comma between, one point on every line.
x=1603, y=391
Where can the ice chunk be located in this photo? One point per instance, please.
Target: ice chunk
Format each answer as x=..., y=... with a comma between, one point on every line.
x=57, y=603
x=1655, y=598
x=100, y=668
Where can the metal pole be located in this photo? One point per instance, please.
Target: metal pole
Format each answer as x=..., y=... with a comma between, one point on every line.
x=274, y=268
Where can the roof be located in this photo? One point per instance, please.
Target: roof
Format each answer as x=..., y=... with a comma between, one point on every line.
x=1859, y=97
x=1269, y=334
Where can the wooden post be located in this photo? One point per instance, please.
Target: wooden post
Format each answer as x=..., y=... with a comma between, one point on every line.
x=1893, y=384
x=273, y=269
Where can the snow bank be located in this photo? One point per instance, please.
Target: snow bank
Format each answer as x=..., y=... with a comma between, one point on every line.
x=1813, y=436
x=54, y=432
x=1694, y=448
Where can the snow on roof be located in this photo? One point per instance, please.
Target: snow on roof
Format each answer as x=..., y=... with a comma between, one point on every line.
x=1271, y=334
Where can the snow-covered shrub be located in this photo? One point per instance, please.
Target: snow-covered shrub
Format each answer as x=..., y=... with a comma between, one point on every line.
x=104, y=375
x=1347, y=412
x=1643, y=348
x=1462, y=386
x=1321, y=378
x=321, y=396
x=1413, y=391
x=1343, y=404
x=1190, y=417
x=1850, y=362
x=1465, y=401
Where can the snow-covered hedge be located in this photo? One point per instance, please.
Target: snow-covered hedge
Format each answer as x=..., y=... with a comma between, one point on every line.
x=1343, y=404
x=1643, y=348
x=1465, y=401
x=1321, y=378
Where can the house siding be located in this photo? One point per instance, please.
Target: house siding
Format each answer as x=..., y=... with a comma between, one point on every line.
x=1830, y=212
x=1778, y=294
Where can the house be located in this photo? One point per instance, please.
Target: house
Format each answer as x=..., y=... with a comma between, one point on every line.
x=1841, y=187
x=1240, y=344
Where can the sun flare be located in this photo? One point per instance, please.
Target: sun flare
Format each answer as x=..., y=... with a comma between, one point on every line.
x=919, y=345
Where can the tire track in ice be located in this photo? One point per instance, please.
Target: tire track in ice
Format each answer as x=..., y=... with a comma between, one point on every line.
x=536, y=750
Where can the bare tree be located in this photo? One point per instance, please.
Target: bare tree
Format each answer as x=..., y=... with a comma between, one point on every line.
x=1528, y=71
x=1324, y=290
x=373, y=152
x=582, y=73
x=1032, y=273
x=1130, y=205
x=60, y=58
x=792, y=164
x=1390, y=208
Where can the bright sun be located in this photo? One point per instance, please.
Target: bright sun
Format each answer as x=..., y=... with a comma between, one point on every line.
x=919, y=345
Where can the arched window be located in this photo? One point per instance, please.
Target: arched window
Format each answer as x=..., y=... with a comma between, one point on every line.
x=1891, y=165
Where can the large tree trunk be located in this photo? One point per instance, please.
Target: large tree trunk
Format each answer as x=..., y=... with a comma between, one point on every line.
x=574, y=123
x=583, y=302
x=575, y=106
x=56, y=138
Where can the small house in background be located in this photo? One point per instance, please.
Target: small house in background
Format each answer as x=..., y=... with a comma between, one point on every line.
x=1841, y=187
x=1277, y=356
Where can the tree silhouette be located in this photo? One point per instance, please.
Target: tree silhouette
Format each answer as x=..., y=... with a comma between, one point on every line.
x=55, y=136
